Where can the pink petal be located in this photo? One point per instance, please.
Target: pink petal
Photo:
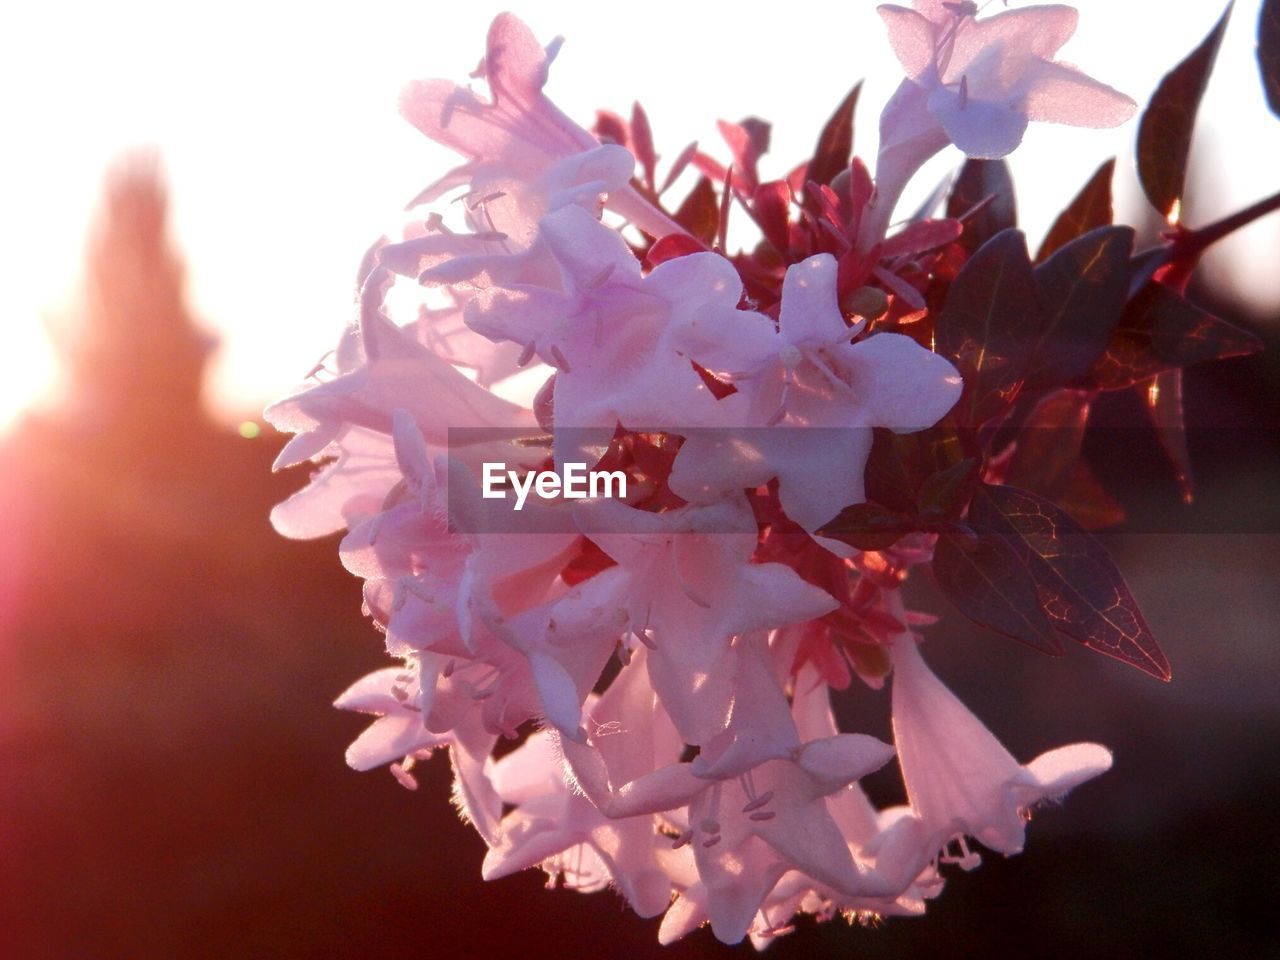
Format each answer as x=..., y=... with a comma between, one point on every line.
x=980, y=128
x=911, y=36
x=1061, y=94
x=900, y=384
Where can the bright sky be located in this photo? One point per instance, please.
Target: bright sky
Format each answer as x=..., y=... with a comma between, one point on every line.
x=286, y=157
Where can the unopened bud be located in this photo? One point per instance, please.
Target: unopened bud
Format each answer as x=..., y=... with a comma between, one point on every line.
x=867, y=302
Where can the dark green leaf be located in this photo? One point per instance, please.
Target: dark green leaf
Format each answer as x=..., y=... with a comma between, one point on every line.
x=835, y=144
x=988, y=582
x=1269, y=52
x=1161, y=330
x=983, y=198
x=1080, y=589
x=1082, y=290
x=1164, y=136
x=1089, y=210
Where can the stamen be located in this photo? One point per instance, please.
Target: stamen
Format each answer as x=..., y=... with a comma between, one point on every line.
x=560, y=359
x=832, y=377
x=526, y=354
x=402, y=774
x=781, y=412
x=966, y=860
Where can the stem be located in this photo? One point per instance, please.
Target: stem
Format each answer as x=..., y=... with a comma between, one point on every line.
x=1196, y=241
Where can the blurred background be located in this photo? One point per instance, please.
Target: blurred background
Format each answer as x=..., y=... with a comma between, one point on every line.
x=187, y=192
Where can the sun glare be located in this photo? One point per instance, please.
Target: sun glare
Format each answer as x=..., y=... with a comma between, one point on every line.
x=267, y=185
x=27, y=365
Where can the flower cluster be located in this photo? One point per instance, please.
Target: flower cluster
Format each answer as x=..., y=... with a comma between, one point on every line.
x=636, y=692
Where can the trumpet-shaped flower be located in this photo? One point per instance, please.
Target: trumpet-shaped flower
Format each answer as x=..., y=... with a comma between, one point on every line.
x=987, y=78
x=808, y=398
x=960, y=780
x=977, y=83
x=518, y=135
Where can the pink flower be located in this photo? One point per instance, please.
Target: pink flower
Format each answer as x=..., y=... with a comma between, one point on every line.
x=395, y=696
x=559, y=829
x=960, y=780
x=987, y=78
x=977, y=84
x=756, y=799
x=687, y=593
x=518, y=135
x=808, y=397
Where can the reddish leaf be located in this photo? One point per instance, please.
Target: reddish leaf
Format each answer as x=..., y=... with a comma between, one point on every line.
x=1081, y=292
x=868, y=526
x=1164, y=404
x=678, y=167
x=946, y=493
x=900, y=465
x=920, y=236
x=826, y=203
x=749, y=141
x=797, y=177
x=1090, y=209
x=709, y=167
x=983, y=198
x=672, y=246
x=983, y=325
x=1164, y=135
x=642, y=144
x=861, y=188
x=611, y=128
x=988, y=582
x=770, y=207
x=726, y=201
x=1081, y=590
x=586, y=563
x=1046, y=460
x=1269, y=52
x=1161, y=330
x=1087, y=501
x=700, y=211
x=835, y=144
